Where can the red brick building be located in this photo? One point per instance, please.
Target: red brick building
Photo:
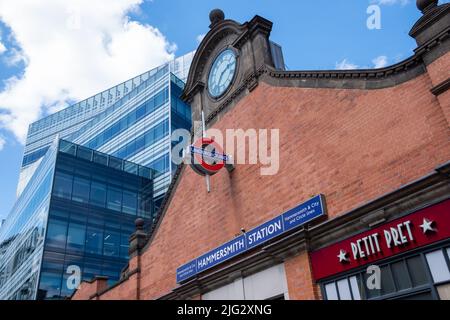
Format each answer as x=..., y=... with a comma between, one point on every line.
x=374, y=143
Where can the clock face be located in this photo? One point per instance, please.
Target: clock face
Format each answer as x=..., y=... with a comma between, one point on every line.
x=222, y=73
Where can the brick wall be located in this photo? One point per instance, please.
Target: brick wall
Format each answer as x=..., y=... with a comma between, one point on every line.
x=439, y=71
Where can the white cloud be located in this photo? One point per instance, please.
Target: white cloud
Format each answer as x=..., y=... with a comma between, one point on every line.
x=345, y=65
x=200, y=37
x=380, y=62
x=2, y=47
x=2, y=143
x=71, y=50
x=391, y=2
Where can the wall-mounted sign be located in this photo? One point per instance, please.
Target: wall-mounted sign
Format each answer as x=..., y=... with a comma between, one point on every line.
x=207, y=157
x=415, y=230
x=294, y=218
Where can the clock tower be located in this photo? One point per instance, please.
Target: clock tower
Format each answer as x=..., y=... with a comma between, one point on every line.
x=227, y=65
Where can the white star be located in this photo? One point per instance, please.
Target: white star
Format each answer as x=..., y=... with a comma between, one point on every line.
x=427, y=225
x=342, y=256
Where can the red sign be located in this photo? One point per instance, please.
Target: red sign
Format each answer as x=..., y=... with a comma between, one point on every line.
x=207, y=157
x=413, y=231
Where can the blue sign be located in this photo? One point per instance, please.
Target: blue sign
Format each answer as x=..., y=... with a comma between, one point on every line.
x=265, y=232
x=289, y=220
x=209, y=154
x=304, y=213
x=187, y=271
x=221, y=254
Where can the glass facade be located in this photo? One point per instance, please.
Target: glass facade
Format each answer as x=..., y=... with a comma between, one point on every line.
x=114, y=118
x=75, y=215
x=87, y=173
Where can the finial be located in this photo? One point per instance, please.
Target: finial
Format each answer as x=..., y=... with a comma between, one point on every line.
x=426, y=5
x=215, y=16
x=139, y=223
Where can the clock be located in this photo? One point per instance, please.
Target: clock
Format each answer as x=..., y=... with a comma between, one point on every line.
x=222, y=73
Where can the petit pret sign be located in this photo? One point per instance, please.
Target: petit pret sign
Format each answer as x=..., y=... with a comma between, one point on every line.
x=294, y=218
x=418, y=229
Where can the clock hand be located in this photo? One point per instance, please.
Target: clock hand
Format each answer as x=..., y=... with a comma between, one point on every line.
x=221, y=75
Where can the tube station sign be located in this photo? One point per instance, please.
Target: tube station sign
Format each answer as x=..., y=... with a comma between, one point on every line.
x=207, y=157
x=290, y=220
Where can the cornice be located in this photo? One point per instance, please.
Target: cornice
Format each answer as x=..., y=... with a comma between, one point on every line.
x=441, y=88
x=430, y=17
x=432, y=43
x=361, y=74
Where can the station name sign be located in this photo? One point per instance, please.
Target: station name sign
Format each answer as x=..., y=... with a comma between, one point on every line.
x=292, y=219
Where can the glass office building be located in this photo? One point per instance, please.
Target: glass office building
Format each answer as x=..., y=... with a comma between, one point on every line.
x=78, y=198
x=75, y=217
x=146, y=107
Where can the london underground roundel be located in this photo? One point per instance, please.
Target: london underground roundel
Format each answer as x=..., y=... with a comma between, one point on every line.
x=207, y=157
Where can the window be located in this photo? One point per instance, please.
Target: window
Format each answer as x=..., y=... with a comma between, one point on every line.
x=92, y=268
x=130, y=167
x=81, y=188
x=114, y=198
x=161, y=165
x=140, y=112
x=50, y=284
x=267, y=284
x=417, y=271
x=98, y=194
x=84, y=153
x=355, y=288
x=331, y=291
x=344, y=289
x=129, y=202
x=159, y=99
x=438, y=266
x=72, y=262
x=400, y=274
x=94, y=240
x=56, y=233
x=150, y=105
x=406, y=278
x=63, y=185
x=67, y=147
x=100, y=158
x=76, y=237
x=115, y=129
x=444, y=291
x=115, y=163
x=111, y=244
x=131, y=148
x=124, y=244
x=140, y=143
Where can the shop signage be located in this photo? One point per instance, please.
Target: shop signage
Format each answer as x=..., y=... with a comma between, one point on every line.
x=413, y=231
x=294, y=218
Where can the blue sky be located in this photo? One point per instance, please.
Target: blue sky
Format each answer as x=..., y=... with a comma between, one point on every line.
x=57, y=51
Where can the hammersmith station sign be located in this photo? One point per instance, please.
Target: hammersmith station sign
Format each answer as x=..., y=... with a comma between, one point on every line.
x=292, y=219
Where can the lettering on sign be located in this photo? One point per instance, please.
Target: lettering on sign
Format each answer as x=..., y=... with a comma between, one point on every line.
x=396, y=236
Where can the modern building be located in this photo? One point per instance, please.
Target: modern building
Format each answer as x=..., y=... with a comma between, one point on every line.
x=72, y=222
x=128, y=126
x=361, y=192
x=146, y=107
